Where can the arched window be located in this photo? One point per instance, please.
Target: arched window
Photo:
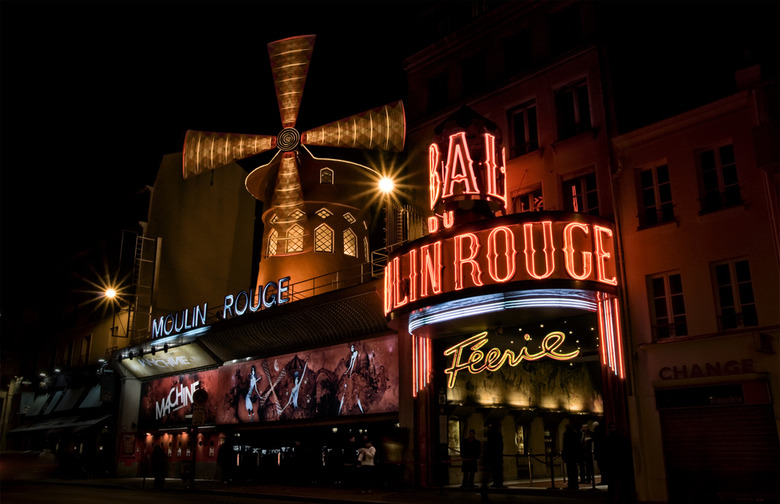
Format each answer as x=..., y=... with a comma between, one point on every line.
x=323, y=239
x=295, y=239
x=350, y=243
x=326, y=176
x=365, y=247
x=273, y=237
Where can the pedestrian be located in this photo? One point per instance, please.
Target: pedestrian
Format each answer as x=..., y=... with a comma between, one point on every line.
x=494, y=456
x=586, y=455
x=617, y=450
x=159, y=467
x=226, y=460
x=470, y=451
x=367, y=459
x=571, y=455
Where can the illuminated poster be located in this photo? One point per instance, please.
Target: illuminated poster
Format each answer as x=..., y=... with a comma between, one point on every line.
x=168, y=402
x=357, y=378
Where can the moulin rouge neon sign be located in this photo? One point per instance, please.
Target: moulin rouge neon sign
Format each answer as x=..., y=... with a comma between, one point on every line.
x=478, y=360
x=508, y=251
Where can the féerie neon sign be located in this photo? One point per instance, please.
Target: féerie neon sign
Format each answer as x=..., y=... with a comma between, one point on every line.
x=478, y=360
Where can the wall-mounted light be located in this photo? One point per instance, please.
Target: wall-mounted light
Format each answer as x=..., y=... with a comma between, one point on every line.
x=154, y=350
x=130, y=355
x=165, y=348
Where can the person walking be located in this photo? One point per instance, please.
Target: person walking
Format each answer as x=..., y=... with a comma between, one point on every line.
x=470, y=452
x=494, y=456
x=367, y=459
x=571, y=455
x=159, y=467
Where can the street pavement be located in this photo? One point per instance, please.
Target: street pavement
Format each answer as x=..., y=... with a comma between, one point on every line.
x=514, y=492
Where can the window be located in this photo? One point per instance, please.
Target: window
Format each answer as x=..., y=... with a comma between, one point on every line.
x=365, y=247
x=350, y=218
x=719, y=185
x=323, y=213
x=298, y=214
x=734, y=293
x=525, y=133
x=274, y=219
x=531, y=201
x=572, y=109
x=273, y=238
x=295, y=239
x=350, y=243
x=655, y=196
x=474, y=73
x=323, y=239
x=437, y=92
x=580, y=195
x=518, y=55
x=326, y=176
x=667, y=307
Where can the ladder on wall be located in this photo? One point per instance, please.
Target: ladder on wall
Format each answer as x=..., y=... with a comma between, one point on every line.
x=140, y=309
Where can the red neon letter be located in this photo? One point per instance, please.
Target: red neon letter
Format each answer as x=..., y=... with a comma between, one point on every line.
x=496, y=179
x=389, y=287
x=460, y=260
x=568, y=251
x=460, y=167
x=430, y=269
x=530, y=250
x=602, y=255
x=413, y=275
x=397, y=284
x=433, y=171
x=509, y=253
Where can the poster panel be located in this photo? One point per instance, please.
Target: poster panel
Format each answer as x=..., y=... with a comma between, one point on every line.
x=357, y=378
x=168, y=402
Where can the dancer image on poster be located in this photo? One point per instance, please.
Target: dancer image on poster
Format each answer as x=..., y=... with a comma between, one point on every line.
x=354, y=381
x=352, y=359
x=296, y=388
x=254, y=379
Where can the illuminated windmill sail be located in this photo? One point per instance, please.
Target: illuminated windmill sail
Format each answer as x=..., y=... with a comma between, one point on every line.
x=379, y=128
x=313, y=214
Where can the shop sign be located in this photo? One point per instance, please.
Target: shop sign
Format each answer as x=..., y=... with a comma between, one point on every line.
x=507, y=249
x=684, y=371
x=176, y=359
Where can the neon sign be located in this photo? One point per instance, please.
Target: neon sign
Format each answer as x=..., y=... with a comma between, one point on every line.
x=508, y=250
x=459, y=176
x=271, y=294
x=478, y=360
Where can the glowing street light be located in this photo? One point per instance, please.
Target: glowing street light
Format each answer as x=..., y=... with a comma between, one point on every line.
x=110, y=293
x=386, y=185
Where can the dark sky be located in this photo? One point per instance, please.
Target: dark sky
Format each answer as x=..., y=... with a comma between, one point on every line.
x=95, y=93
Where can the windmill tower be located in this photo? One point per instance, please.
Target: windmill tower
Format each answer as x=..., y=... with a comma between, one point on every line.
x=313, y=213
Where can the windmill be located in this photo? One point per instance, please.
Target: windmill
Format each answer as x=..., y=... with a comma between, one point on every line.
x=279, y=181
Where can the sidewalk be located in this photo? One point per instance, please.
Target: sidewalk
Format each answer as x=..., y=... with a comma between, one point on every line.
x=514, y=492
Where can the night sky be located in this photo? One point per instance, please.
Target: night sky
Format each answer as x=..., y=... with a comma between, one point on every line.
x=94, y=94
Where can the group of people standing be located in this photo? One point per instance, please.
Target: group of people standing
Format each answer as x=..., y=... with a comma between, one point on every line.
x=583, y=447
x=494, y=458
x=578, y=454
